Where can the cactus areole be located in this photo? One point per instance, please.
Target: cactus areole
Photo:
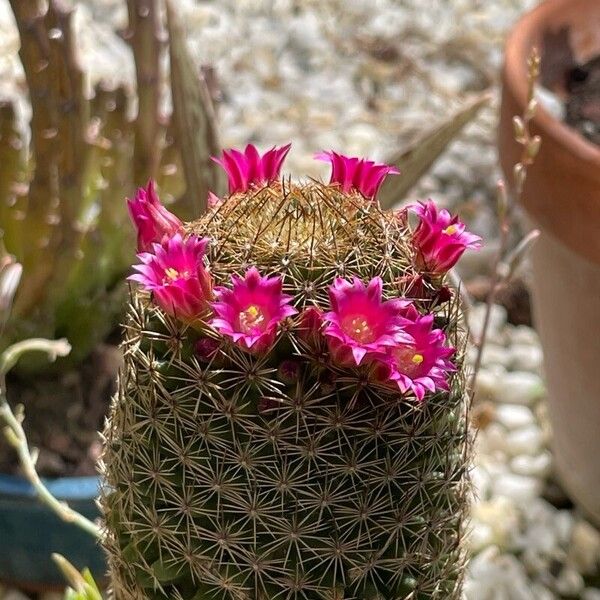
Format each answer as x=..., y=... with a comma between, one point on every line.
x=290, y=421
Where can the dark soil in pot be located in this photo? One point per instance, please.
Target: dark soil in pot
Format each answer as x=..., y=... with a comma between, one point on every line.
x=583, y=101
x=63, y=414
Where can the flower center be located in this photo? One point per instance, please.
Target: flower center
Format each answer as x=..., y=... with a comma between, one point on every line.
x=172, y=275
x=408, y=361
x=251, y=319
x=450, y=230
x=359, y=329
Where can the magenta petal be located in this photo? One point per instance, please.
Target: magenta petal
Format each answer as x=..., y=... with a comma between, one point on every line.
x=251, y=311
x=440, y=239
x=249, y=168
x=364, y=176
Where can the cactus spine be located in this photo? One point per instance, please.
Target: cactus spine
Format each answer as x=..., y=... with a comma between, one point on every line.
x=283, y=474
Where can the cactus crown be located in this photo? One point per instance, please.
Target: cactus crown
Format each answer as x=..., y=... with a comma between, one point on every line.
x=285, y=472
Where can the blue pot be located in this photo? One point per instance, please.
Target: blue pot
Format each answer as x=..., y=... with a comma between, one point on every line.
x=30, y=532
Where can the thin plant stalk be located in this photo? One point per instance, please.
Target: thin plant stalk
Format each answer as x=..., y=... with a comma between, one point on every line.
x=17, y=438
x=504, y=265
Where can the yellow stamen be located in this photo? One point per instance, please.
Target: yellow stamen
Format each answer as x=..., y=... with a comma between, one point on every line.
x=450, y=230
x=417, y=359
x=359, y=329
x=251, y=318
x=172, y=273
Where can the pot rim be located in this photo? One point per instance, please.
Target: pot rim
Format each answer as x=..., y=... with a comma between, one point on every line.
x=63, y=488
x=517, y=48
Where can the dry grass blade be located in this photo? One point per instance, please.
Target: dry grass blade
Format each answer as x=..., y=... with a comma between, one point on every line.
x=194, y=119
x=416, y=160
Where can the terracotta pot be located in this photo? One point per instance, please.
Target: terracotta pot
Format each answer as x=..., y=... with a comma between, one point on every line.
x=562, y=198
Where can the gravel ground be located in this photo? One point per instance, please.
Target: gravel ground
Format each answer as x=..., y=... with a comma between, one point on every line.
x=363, y=76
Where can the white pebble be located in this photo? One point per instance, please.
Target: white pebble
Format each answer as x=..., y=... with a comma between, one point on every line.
x=520, y=387
x=493, y=440
x=569, y=582
x=518, y=487
x=513, y=416
x=481, y=481
x=521, y=334
x=584, y=549
x=526, y=440
x=564, y=522
x=481, y=536
x=486, y=385
x=494, y=354
x=535, y=466
x=525, y=357
x=496, y=324
x=590, y=594
x=498, y=518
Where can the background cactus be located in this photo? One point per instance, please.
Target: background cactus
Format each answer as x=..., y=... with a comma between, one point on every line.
x=280, y=473
x=62, y=214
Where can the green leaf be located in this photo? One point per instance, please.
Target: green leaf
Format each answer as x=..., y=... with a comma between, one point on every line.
x=419, y=156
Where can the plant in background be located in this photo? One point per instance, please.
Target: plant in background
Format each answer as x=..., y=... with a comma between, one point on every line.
x=61, y=196
x=303, y=434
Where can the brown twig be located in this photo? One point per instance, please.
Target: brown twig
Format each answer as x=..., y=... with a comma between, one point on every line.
x=43, y=190
x=506, y=262
x=145, y=38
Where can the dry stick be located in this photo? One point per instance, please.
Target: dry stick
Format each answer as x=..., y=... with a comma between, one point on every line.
x=43, y=190
x=504, y=269
x=16, y=437
x=145, y=37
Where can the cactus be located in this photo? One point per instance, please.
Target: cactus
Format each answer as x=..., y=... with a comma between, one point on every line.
x=62, y=214
x=292, y=434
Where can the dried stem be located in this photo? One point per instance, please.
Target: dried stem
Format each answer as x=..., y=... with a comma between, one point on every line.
x=16, y=435
x=43, y=190
x=145, y=37
x=504, y=265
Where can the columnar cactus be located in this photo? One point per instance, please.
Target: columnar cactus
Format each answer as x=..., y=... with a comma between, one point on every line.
x=290, y=418
x=61, y=197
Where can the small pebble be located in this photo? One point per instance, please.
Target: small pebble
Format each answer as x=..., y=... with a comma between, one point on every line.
x=518, y=487
x=513, y=416
x=535, y=466
x=520, y=387
x=525, y=358
x=569, y=582
x=525, y=441
x=584, y=548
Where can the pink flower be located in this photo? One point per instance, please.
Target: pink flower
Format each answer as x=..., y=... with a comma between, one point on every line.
x=360, y=322
x=152, y=220
x=422, y=365
x=247, y=169
x=251, y=311
x=359, y=174
x=440, y=239
x=175, y=274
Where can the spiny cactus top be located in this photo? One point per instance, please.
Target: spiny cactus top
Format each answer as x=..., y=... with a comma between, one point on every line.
x=288, y=423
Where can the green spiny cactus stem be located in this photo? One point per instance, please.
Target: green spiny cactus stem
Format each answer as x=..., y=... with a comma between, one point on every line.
x=280, y=474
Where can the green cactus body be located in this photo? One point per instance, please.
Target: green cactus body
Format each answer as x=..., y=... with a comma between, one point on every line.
x=240, y=475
